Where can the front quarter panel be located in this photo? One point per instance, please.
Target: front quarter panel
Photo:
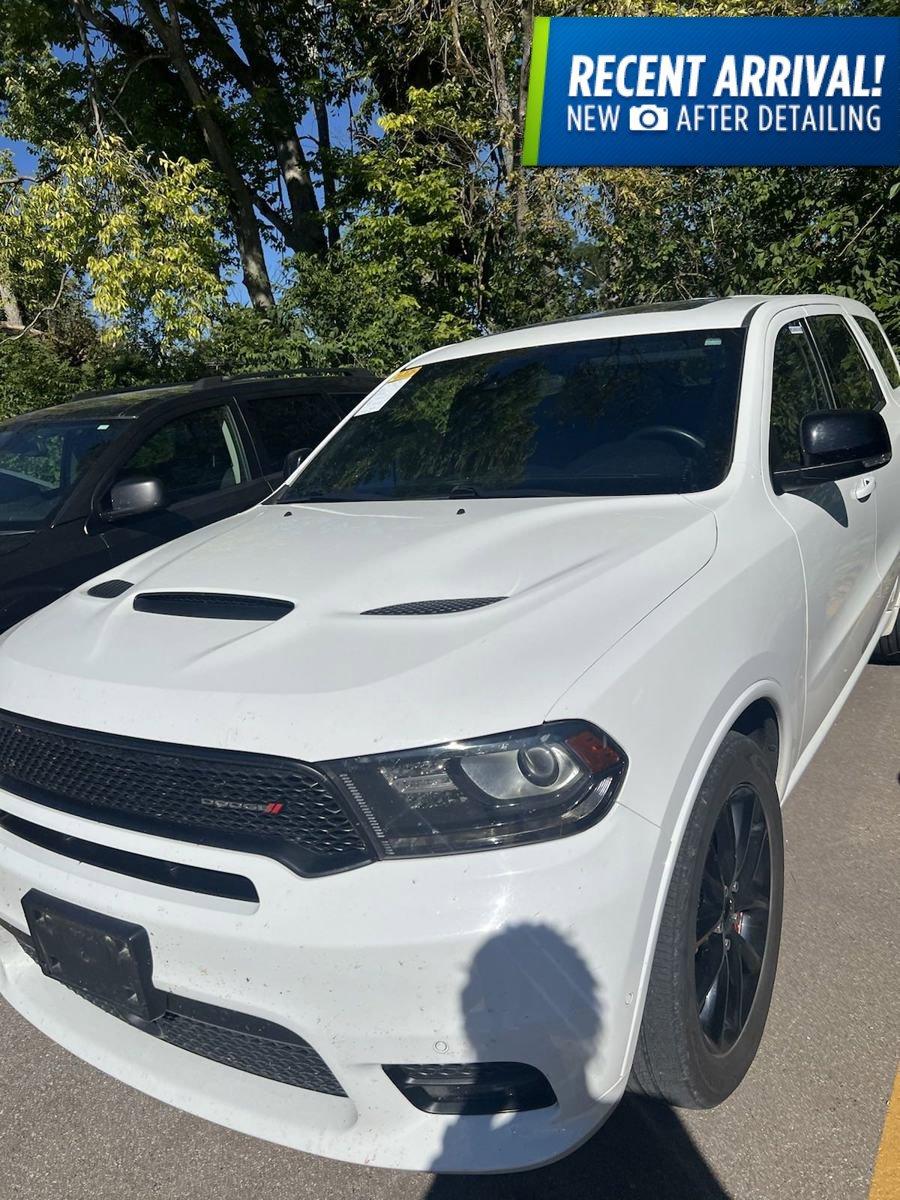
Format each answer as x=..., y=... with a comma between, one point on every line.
x=669, y=692
x=735, y=630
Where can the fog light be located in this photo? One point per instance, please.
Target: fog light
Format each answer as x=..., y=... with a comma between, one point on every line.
x=472, y=1089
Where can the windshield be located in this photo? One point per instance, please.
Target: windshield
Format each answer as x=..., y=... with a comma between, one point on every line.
x=40, y=463
x=637, y=415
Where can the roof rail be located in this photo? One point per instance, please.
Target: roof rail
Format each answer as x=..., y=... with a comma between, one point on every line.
x=658, y=307
x=213, y=381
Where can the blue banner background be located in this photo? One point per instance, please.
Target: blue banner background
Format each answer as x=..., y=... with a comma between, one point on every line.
x=715, y=37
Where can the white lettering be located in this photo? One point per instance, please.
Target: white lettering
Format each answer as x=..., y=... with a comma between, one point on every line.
x=580, y=75
x=622, y=86
x=727, y=81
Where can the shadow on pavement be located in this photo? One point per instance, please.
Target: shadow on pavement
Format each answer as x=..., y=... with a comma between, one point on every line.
x=541, y=983
x=642, y=1153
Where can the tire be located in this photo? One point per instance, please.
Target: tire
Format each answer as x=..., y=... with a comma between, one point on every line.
x=691, y=1053
x=888, y=649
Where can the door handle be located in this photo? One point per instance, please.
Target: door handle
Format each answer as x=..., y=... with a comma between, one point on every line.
x=864, y=488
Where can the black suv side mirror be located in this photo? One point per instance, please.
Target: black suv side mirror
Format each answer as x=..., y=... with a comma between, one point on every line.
x=837, y=443
x=292, y=461
x=134, y=496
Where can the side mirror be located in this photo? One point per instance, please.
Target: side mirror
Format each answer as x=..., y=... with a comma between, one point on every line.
x=134, y=496
x=292, y=461
x=837, y=443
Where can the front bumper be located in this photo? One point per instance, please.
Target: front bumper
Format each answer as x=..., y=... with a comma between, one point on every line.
x=532, y=955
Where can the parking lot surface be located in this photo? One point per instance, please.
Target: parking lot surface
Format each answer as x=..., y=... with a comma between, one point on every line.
x=805, y=1124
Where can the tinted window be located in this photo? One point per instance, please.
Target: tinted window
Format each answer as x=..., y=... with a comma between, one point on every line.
x=877, y=339
x=614, y=416
x=41, y=463
x=285, y=423
x=797, y=389
x=852, y=382
x=193, y=455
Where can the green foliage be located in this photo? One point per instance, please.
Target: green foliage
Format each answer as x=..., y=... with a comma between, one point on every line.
x=434, y=231
x=140, y=233
x=242, y=339
x=33, y=375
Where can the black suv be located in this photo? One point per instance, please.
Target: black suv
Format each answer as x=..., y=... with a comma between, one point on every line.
x=89, y=484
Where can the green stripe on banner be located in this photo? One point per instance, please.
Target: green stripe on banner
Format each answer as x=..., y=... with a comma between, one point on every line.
x=536, y=75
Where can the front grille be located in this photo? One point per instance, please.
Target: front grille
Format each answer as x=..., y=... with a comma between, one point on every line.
x=273, y=806
x=138, y=866
x=293, y=1063
x=237, y=1040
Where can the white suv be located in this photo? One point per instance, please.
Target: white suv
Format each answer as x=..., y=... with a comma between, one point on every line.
x=406, y=817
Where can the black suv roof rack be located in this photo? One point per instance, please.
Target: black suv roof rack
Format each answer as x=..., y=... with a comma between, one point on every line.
x=215, y=381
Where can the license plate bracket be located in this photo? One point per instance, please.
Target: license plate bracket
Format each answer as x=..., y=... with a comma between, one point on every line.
x=108, y=960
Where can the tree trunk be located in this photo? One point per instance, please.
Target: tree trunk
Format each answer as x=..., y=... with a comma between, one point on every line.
x=249, y=242
x=496, y=59
x=328, y=188
x=524, y=70
x=10, y=306
x=306, y=232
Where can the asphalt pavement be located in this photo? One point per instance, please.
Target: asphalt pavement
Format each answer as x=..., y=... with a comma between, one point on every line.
x=805, y=1124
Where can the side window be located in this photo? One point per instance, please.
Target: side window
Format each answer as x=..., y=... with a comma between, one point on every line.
x=877, y=339
x=285, y=423
x=797, y=389
x=852, y=382
x=194, y=455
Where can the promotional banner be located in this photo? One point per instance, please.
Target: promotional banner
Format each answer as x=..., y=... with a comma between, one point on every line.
x=714, y=91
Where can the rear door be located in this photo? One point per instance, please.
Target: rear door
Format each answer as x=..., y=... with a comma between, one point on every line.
x=887, y=480
x=201, y=460
x=834, y=524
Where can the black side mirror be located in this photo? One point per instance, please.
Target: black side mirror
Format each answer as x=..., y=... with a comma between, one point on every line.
x=837, y=443
x=292, y=461
x=134, y=496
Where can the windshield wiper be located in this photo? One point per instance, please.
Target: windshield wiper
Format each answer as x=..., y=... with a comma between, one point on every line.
x=463, y=491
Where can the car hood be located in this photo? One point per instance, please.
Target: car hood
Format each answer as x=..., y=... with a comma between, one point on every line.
x=328, y=680
x=10, y=542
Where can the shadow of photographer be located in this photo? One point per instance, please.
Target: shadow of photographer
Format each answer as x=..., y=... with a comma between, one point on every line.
x=537, y=979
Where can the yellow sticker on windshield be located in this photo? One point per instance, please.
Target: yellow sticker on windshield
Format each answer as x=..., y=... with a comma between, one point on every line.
x=391, y=386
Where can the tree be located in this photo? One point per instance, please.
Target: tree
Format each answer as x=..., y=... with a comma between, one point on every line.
x=139, y=233
x=230, y=82
x=415, y=223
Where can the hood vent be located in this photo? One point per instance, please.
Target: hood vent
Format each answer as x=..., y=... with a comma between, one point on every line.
x=216, y=606
x=109, y=589
x=432, y=608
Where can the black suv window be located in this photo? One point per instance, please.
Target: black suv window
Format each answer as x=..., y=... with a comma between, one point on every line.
x=877, y=339
x=285, y=423
x=41, y=462
x=852, y=382
x=193, y=455
x=797, y=389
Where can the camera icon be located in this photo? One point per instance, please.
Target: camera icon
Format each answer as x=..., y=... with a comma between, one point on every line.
x=648, y=118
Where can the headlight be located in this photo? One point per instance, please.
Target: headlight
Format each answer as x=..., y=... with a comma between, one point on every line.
x=527, y=786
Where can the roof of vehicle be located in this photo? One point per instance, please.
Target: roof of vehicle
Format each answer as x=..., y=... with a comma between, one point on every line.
x=133, y=402
x=704, y=312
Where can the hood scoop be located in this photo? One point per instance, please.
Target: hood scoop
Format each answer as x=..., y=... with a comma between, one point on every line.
x=216, y=606
x=432, y=608
x=109, y=589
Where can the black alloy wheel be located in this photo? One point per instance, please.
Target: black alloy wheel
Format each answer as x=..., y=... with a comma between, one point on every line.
x=732, y=918
x=717, y=947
